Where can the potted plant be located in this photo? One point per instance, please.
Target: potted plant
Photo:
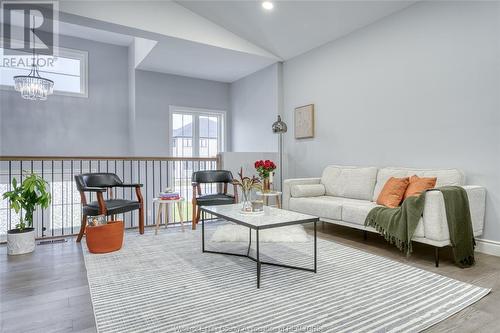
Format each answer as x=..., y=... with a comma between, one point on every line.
x=247, y=184
x=29, y=195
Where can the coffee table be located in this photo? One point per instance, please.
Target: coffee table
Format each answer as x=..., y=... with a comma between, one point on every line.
x=271, y=218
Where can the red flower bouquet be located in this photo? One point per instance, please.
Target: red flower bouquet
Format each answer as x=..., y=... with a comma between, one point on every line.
x=264, y=168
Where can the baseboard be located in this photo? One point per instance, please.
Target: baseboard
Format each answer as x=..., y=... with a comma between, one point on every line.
x=488, y=247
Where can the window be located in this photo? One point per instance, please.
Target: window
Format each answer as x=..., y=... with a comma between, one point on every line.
x=68, y=70
x=196, y=132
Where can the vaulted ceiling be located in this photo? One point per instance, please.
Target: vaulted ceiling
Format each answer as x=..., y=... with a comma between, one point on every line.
x=221, y=40
x=294, y=27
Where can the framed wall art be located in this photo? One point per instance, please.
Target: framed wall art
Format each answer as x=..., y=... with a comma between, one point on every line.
x=304, y=121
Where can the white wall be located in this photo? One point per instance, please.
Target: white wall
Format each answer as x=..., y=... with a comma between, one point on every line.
x=420, y=88
x=105, y=123
x=254, y=107
x=155, y=92
x=65, y=125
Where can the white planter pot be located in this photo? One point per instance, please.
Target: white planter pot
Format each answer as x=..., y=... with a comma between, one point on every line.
x=20, y=242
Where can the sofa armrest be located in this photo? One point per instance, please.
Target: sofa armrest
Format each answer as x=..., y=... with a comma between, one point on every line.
x=287, y=187
x=477, y=204
x=434, y=216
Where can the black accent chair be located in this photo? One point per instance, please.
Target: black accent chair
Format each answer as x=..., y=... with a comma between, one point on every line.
x=100, y=183
x=209, y=177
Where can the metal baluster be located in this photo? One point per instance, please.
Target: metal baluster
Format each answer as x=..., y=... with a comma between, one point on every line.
x=20, y=182
x=52, y=195
x=90, y=171
x=123, y=189
x=72, y=199
x=81, y=171
x=154, y=193
x=161, y=184
x=131, y=181
x=62, y=197
x=10, y=189
x=109, y=189
x=146, y=189
x=187, y=190
x=43, y=213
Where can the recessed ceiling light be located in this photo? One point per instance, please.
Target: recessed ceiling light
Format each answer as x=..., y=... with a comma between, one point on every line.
x=268, y=5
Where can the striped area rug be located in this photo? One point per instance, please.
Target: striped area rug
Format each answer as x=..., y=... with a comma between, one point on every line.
x=164, y=283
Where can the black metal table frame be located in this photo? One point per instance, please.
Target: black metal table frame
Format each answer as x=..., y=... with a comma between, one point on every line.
x=257, y=258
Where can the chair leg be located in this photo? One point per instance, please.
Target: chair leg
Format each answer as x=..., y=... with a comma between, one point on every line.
x=436, y=255
x=82, y=229
x=193, y=218
x=141, y=219
x=197, y=217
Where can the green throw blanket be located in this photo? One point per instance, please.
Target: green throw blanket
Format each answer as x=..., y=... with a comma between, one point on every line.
x=398, y=225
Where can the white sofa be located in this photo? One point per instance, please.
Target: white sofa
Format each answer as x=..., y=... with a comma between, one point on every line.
x=344, y=195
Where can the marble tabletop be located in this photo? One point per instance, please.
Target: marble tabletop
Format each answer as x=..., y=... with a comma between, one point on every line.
x=271, y=218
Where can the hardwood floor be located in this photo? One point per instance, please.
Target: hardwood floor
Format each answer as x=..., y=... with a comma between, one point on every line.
x=47, y=291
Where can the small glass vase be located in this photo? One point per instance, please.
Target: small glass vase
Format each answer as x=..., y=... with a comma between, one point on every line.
x=247, y=202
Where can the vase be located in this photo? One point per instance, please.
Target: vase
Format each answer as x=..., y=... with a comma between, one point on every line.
x=247, y=203
x=266, y=184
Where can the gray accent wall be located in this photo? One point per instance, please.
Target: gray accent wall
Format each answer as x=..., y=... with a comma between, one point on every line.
x=420, y=88
x=64, y=125
x=254, y=107
x=155, y=92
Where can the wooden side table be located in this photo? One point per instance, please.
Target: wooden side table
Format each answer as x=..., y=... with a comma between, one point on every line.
x=271, y=194
x=163, y=209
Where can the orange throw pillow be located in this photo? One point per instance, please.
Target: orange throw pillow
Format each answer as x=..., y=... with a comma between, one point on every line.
x=418, y=185
x=393, y=192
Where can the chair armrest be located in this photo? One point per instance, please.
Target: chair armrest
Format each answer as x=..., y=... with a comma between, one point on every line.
x=94, y=189
x=288, y=183
x=129, y=185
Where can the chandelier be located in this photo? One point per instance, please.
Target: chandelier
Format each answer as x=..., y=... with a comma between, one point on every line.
x=33, y=86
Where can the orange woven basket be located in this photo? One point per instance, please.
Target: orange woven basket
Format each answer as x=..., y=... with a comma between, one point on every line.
x=105, y=238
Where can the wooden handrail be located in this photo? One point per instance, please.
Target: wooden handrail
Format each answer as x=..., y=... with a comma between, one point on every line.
x=104, y=158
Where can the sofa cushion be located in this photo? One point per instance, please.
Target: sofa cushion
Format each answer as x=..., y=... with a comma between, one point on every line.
x=324, y=206
x=349, y=182
x=445, y=177
x=307, y=190
x=356, y=212
x=393, y=192
x=419, y=185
